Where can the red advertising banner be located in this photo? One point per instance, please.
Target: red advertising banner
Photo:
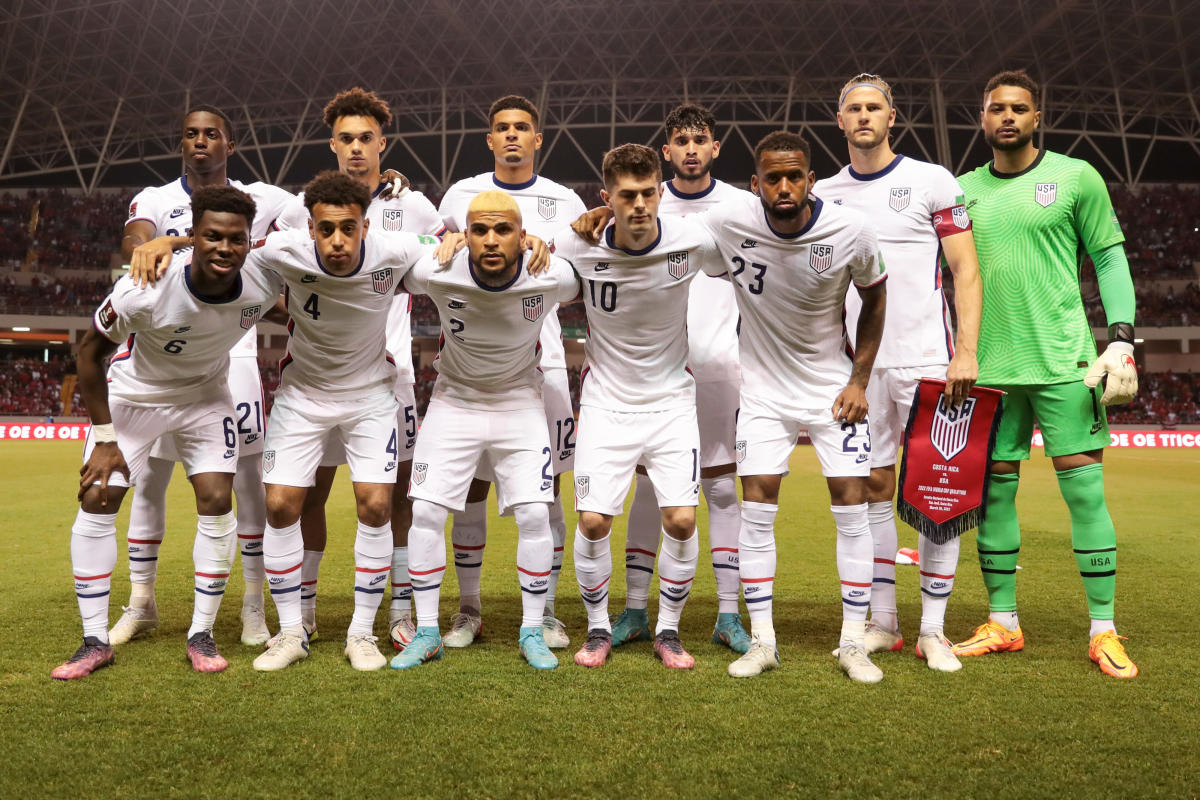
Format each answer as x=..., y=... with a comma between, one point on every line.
x=49, y=431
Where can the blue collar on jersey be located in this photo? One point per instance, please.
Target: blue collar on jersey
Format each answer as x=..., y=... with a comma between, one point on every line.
x=362, y=257
x=513, y=187
x=484, y=286
x=382, y=185
x=188, y=189
x=692, y=195
x=816, y=212
x=608, y=240
x=870, y=176
x=212, y=301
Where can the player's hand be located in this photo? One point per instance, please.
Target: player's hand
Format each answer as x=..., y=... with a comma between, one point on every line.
x=396, y=184
x=106, y=458
x=451, y=243
x=1116, y=370
x=539, y=255
x=851, y=404
x=591, y=224
x=961, y=376
x=150, y=261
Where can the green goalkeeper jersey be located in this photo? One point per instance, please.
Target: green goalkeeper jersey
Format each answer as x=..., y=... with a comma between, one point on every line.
x=1032, y=230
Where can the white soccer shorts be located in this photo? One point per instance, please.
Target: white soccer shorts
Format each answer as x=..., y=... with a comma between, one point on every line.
x=560, y=418
x=716, y=414
x=406, y=431
x=455, y=440
x=613, y=443
x=300, y=426
x=765, y=441
x=249, y=411
x=890, y=396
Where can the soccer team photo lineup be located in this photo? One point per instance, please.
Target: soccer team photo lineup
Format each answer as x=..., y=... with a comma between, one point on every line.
x=723, y=325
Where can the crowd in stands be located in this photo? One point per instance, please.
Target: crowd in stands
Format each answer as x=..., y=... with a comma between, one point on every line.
x=1155, y=308
x=1160, y=225
x=1164, y=398
x=55, y=296
x=32, y=387
x=59, y=229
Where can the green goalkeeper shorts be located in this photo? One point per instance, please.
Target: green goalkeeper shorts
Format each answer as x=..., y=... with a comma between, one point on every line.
x=1069, y=415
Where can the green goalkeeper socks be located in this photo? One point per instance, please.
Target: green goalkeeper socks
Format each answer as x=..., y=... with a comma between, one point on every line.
x=1092, y=536
x=999, y=542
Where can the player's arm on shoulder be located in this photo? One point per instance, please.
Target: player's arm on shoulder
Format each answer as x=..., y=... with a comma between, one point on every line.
x=570, y=287
x=151, y=260
x=591, y=224
x=538, y=260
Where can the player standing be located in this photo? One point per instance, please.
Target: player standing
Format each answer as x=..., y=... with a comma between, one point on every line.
x=170, y=381
x=165, y=213
x=514, y=140
x=1035, y=212
x=917, y=211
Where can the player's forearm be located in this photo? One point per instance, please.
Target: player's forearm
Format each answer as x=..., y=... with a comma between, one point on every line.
x=1116, y=284
x=93, y=383
x=868, y=333
x=968, y=296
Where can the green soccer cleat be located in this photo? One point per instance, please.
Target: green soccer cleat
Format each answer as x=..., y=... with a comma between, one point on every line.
x=632, y=626
x=426, y=646
x=729, y=632
x=535, y=650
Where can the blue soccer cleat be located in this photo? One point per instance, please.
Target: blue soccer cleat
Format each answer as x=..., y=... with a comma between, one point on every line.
x=425, y=646
x=729, y=632
x=535, y=650
x=632, y=626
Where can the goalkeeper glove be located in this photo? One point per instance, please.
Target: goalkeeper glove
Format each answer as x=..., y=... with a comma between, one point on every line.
x=1117, y=371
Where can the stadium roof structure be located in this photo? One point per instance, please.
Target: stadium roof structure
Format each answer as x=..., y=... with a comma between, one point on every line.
x=92, y=92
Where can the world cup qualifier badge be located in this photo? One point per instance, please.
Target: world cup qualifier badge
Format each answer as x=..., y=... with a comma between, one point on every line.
x=381, y=280
x=393, y=219
x=677, y=264
x=899, y=198
x=532, y=307
x=250, y=316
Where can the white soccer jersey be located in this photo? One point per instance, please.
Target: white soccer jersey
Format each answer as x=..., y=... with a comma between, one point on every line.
x=712, y=309
x=169, y=209
x=412, y=213
x=488, y=351
x=546, y=208
x=636, y=302
x=902, y=200
x=176, y=341
x=337, y=332
x=790, y=292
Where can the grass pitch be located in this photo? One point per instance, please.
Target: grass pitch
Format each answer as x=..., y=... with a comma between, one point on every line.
x=1044, y=722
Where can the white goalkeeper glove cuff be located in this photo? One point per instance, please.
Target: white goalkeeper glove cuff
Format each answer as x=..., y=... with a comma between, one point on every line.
x=1116, y=371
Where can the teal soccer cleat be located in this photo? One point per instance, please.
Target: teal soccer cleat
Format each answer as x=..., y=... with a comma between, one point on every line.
x=535, y=650
x=426, y=646
x=729, y=632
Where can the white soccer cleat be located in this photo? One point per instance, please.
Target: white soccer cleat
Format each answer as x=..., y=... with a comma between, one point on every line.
x=401, y=631
x=879, y=639
x=938, y=653
x=858, y=667
x=760, y=658
x=254, y=625
x=464, y=627
x=286, y=649
x=133, y=623
x=363, y=653
x=554, y=633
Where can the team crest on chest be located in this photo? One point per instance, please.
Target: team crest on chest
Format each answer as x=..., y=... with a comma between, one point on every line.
x=420, y=472
x=1045, y=193
x=393, y=219
x=547, y=207
x=677, y=264
x=820, y=257
x=250, y=316
x=948, y=431
x=531, y=307
x=381, y=280
x=899, y=198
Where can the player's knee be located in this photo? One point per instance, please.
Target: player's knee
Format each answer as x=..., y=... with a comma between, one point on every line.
x=594, y=526
x=679, y=522
x=720, y=493
x=533, y=519
x=881, y=485
x=847, y=491
x=374, y=511
x=427, y=516
x=213, y=498
x=93, y=501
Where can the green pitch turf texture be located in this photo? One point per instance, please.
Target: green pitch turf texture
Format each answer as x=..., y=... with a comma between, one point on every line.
x=1041, y=723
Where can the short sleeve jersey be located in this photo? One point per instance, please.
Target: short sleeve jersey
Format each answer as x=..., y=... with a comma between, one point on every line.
x=791, y=290
x=1032, y=229
x=546, y=208
x=169, y=209
x=712, y=310
x=337, y=337
x=488, y=352
x=636, y=302
x=412, y=213
x=912, y=205
x=176, y=341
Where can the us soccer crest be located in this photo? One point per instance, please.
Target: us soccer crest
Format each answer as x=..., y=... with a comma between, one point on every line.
x=960, y=218
x=381, y=280
x=739, y=448
x=250, y=316
x=582, y=485
x=948, y=431
x=393, y=219
x=420, y=472
x=820, y=257
x=547, y=207
x=677, y=264
x=532, y=307
x=268, y=460
x=900, y=198
x=1045, y=193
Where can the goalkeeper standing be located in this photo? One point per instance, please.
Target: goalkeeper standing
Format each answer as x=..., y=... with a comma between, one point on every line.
x=1035, y=214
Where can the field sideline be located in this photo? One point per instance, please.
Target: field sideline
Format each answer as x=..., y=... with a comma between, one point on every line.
x=480, y=723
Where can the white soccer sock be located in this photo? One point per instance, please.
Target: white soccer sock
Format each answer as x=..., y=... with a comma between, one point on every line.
x=251, y=520
x=558, y=531
x=93, y=559
x=283, y=555
x=147, y=526
x=535, y=558
x=212, y=555
x=724, y=525
x=676, y=569
x=468, y=534
x=882, y=519
x=593, y=570
x=641, y=543
x=1100, y=626
x=854, y=561
x=1008, y=619
x=427, y=559
x=401, y=586
x=756, y=566
x=372, y=565
x=938, y=563
x=310, y=572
